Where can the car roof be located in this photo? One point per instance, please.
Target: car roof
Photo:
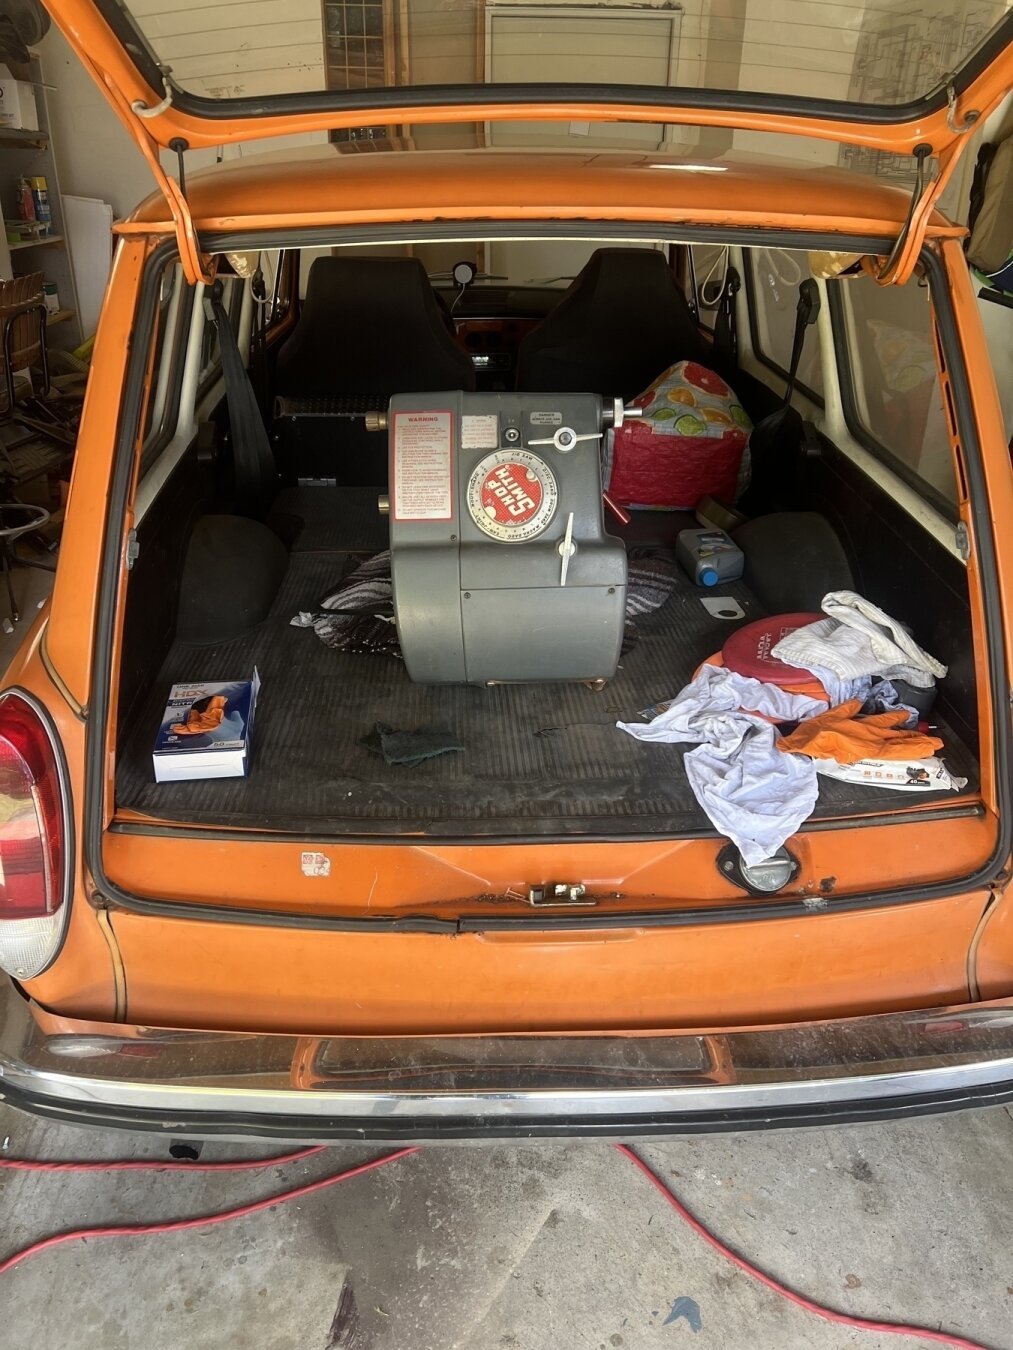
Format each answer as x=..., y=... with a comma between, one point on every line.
x=382, y=182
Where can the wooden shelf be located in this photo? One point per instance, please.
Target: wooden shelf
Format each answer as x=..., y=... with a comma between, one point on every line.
x=61, y=316
x=17, y=139
x=56, y=239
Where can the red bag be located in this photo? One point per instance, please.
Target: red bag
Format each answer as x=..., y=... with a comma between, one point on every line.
x=688, y=444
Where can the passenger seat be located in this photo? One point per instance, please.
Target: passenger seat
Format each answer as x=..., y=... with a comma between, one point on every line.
x=622, y=321
x=369, y=328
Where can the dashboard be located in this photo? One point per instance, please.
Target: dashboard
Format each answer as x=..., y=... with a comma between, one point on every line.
x=490, y=323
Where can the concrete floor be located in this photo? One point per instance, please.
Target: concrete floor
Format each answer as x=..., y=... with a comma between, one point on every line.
x=31, y=587
x=529, y=1247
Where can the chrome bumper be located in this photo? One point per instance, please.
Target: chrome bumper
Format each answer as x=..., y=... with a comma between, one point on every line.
x=322, y=1089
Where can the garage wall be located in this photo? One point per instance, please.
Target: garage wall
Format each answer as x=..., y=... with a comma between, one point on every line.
x=96, y=155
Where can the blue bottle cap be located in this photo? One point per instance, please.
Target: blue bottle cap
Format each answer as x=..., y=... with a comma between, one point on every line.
x=708, y=577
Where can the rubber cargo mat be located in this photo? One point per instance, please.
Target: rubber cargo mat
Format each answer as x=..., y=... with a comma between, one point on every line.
x=538, y=759
x=332, y=517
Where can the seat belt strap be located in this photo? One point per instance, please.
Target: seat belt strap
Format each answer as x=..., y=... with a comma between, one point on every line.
x=726, y=337
x=806, y=312
x=255, y=469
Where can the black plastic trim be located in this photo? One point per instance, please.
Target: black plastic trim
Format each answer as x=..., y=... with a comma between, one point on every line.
x=161, y=830
x=737, y=913
x=435, y=231
x=400, y=1130
x=394, y=99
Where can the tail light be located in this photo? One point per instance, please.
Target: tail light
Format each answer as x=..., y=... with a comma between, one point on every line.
x=34, y=844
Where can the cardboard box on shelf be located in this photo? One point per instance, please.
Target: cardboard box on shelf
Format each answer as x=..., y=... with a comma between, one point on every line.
x=18, y=110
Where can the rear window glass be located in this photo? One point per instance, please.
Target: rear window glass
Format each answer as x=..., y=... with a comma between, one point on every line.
x=893, y=400
x=880, y=51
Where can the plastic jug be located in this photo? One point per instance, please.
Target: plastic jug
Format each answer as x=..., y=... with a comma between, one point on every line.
x=709, y=556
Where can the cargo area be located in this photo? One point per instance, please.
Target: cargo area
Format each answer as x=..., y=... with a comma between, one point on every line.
x=538, y=760
x=541, y=759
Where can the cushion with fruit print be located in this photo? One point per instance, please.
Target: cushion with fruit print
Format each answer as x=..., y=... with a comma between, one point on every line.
x=688, y=443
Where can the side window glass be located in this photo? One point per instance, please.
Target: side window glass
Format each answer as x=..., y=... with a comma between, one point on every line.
x=893, y=401
x=773, y=276
x=277, y=269
x=710, y=263
x=172, y=325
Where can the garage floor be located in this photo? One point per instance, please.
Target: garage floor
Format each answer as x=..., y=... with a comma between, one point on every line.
x=531, y=1247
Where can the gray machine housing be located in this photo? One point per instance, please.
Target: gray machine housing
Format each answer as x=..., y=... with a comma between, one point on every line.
x=475, y=609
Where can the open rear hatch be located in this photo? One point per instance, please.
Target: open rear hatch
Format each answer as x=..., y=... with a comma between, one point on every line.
x=444, y=67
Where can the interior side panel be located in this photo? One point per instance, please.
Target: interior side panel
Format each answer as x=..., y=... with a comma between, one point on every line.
x=902, y=568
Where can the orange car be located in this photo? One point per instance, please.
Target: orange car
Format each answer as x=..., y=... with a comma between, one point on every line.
x=352, y=411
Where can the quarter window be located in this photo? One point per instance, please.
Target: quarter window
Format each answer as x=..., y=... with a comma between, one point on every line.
x=172, y=324
x=890, y=381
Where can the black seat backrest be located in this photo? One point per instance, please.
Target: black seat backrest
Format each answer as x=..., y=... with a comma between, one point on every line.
x=622, y=321
x=370, y=326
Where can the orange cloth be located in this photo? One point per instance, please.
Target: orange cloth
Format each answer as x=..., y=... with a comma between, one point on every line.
x=845, y=738
x=198, y=723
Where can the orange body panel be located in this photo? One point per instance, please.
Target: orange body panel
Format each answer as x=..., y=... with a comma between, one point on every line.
x=240, y=977
x=182, y=971
x=325, y=185
x=70, y=635
x=447, y=879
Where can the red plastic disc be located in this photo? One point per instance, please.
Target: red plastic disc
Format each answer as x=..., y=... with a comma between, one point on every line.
x=747, y=651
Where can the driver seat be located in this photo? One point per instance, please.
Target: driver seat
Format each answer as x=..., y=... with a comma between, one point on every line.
x=622, y=322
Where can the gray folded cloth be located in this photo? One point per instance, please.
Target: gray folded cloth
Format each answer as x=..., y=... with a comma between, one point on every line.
x=410, y=747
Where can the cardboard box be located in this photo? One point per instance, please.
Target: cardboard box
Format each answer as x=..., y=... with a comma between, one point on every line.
x=18, y=111
x=205, y=730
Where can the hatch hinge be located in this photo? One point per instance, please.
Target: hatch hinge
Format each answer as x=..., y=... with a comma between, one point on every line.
x=900, y=263
x=197, y=266
x=965, y=124
x=143, y=109
x=132, y=551
x=962, y=539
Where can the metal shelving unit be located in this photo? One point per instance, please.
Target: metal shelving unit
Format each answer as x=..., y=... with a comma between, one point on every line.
x=31, y=153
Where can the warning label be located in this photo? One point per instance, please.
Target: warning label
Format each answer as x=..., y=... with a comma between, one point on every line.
x=479, y=432
x=422, y=466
